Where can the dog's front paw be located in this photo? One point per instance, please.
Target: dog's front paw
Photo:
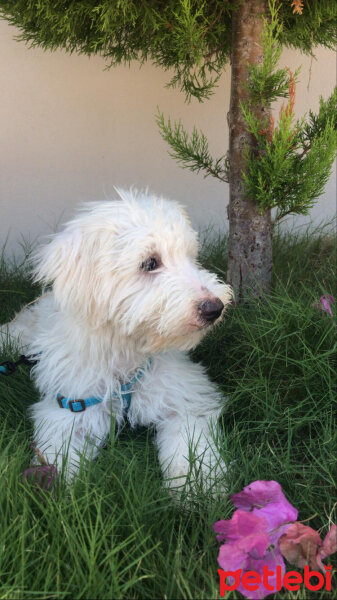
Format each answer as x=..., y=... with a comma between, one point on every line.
x=197, y=483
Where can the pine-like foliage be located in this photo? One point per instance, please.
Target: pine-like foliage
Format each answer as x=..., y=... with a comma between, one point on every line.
x=288, y=164
x=192, y=151
x=291, y=161
x=192, y=37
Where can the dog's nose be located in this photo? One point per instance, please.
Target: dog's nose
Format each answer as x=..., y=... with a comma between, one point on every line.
x=211, y=309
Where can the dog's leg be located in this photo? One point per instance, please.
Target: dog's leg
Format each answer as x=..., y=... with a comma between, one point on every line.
x=20, y=331
x=184, y=405
x=65, y=439
x=188, y=452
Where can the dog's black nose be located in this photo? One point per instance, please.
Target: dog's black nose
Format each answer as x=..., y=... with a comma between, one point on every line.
x=211, y=309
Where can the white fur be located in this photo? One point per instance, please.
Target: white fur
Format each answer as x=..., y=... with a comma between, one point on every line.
x=103, y=319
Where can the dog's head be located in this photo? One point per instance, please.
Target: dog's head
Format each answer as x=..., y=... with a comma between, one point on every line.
x=131, y=265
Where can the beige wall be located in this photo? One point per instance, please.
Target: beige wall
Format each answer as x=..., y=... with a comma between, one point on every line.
x=71, y=130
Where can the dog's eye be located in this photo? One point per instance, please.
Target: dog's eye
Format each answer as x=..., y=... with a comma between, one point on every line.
x=151, y=264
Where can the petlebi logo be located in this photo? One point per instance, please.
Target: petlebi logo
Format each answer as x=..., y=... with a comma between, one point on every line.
x=252, y=581
x=262, y=532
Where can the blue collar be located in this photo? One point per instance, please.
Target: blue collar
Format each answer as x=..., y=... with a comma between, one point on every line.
x=125, y=394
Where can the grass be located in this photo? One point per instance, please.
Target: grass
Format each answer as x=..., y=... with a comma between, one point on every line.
x=117, y=533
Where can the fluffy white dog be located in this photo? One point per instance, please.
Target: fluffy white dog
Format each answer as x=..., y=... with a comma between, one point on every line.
x=128, y=299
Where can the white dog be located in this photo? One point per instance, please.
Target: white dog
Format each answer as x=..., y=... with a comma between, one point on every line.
x=128, y=299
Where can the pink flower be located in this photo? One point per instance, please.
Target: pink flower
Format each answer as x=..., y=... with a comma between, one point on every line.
x=266, y=499
x=248, y=546
x=247, y=531
x=325, y=304
x=231, y=558
x=41, y=476
x=326, y=301
x=328, y=547
x=301, y=545
x=251, y=536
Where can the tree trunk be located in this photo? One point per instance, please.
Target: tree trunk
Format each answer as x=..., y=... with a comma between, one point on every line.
x=249, y=252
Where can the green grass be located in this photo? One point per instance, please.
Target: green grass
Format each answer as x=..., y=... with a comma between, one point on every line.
x=117, y=533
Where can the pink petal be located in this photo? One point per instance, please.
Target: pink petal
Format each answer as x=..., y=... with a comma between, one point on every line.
x=245, y=534
x=231, y=558
x=256, y=545
x=325, y=302
x=328, y=547
x=42, y=476
x=221, y=527
x=271, y=560
x=299, y=545
x=240, y=525
x=259, y=493
x=266, y=498
x=277, y=514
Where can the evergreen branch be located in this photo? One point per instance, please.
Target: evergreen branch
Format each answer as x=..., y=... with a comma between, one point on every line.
x=317, y=122
x=287, y=175
x=294, y=209
x=190, y=37
x=199, y=84
x=267, y=83
x=290, y=163
x=315, y=26
x=191, y=151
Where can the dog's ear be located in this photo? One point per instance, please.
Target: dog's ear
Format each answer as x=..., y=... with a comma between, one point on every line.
x=68, y=263
x=51, y=261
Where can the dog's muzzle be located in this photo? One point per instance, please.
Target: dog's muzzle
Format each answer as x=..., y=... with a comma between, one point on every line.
x=210, y=310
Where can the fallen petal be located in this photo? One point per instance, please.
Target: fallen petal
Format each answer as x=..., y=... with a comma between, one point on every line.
x=299, y=545
x=231, y=558
x=267, y=499
x=328, y=547
x=241, y=526
x=271, y=560
x=42, y=476
x=277, y=514
x=325, y=301
x=257, y=494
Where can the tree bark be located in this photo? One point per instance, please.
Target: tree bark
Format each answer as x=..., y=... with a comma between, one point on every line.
x=249, y=252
